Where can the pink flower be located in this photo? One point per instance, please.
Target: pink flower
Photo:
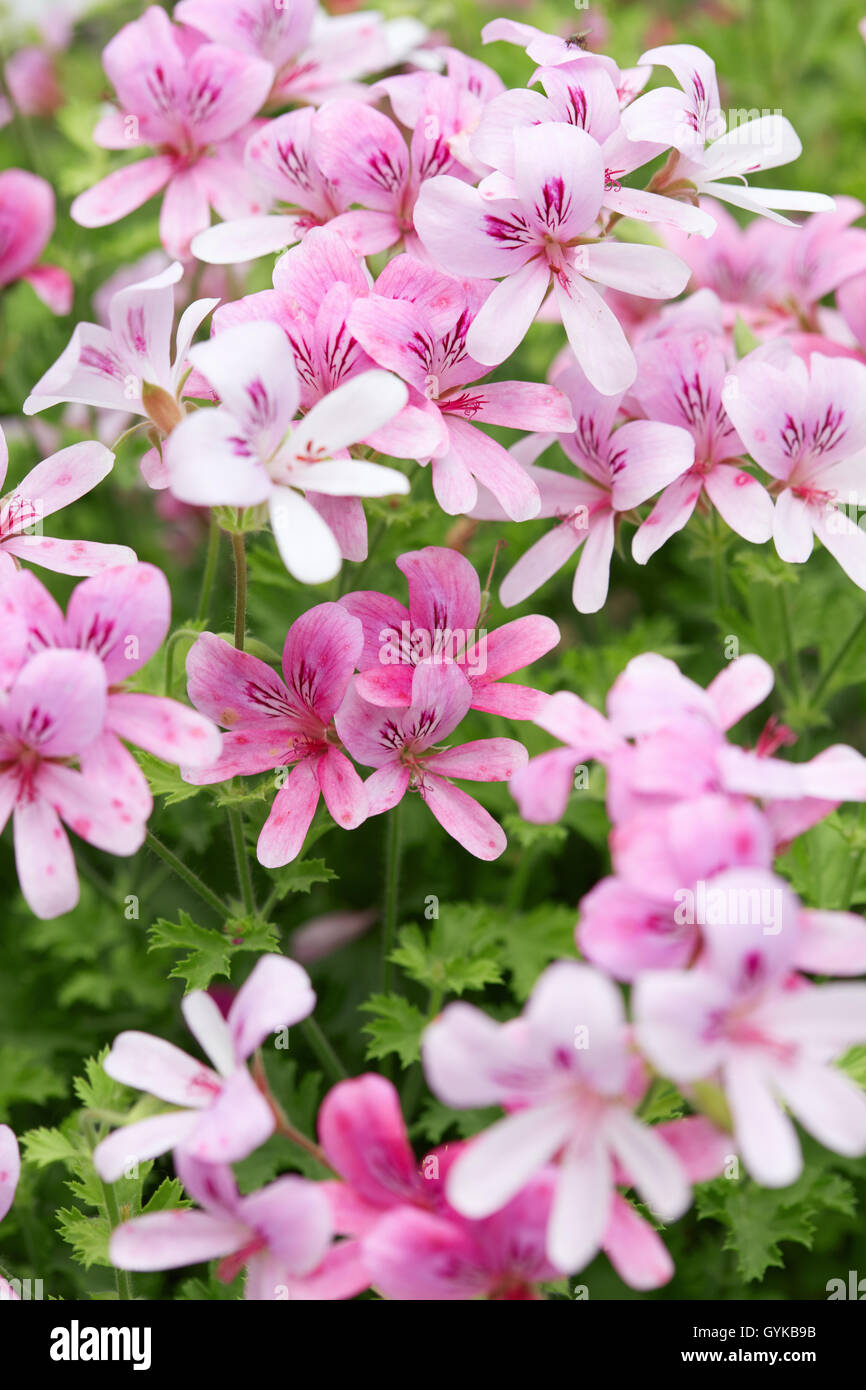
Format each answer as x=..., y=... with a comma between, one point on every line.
x=528, y=229
x=274, y=724
x=26, y=224
x=126, y=365
x=51, y=485
x=403, y=745
x=220, y=1115
x=686, y=119
x=680, y=380
x=623, y=466
x=121, y=616
x=52, y=713
x=31, y=75
x=364, y=156
x=807, y=427
x=741, y=1019
x=584, y=94
x=664, y=741
x=283, y=156
x=417, y=1246
x=316, y=287
x=442, y=621
x=427, y=346
x=315, y=56
x=194, y=101
x=281, y=1234
x=251, y=450
x=567, y=1074
x=10, y=1169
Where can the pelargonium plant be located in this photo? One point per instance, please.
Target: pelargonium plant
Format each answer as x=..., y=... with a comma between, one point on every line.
x=445, y=697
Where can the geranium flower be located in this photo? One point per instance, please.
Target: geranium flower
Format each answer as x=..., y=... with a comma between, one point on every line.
x=26, y=225
x=220, y=1115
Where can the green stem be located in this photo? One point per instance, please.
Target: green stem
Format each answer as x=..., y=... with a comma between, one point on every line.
x=240, y=559
x=192, y=880
x=392, y=892
x=836, y=660
x=169, y=653
x=793, y=665
x=210, y=565
x=123, y=1277
x=242, y=862
x=318, y=1043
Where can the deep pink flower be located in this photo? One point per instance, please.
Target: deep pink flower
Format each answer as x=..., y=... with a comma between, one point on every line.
x=220, y=1115
x=404, y=746
x=26, y=224
x=442, y=620
x=276, y=724
x=193, y=101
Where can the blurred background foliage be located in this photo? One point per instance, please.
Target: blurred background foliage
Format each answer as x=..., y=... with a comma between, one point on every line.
x=67, y=987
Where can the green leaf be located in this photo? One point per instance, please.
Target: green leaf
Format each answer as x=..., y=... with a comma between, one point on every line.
x=44, y=1146
x=758, y=1220
x=396, y=1027
x=301, y=876
x=457, y=954
x=167, y=1197
x=745, y=340
x=97, y=1090
x=529, y=941
x=88, y=1236
x=165, y=780
x=207, y=952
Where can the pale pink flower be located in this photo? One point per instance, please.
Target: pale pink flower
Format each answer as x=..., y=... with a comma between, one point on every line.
x=743, y=1020
x=50, y=486
x=528, y=229
x=26, y=224
x=192, y=100
x=622, y=465
x=806, y=426
x=126, y=365
x=220, y=1115
x=10, y=1169
x=281, y=1234
x=680, y=381
x=122, y=616
x=315, y=56
x=427, y=347
x=251, y=450
x=665, y=741
x=403, y=744
x=52, y=713
x=566, y=1073
x=690, y=116
x=275, y=724
x=442, y=620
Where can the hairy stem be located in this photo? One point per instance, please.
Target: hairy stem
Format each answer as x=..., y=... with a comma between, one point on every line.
x=210, y=566
x=240, y=558
x=190, y=878
x=393, y=840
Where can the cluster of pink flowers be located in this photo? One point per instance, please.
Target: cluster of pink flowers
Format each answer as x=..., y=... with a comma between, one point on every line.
x=500, y=208
x=391, y=717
